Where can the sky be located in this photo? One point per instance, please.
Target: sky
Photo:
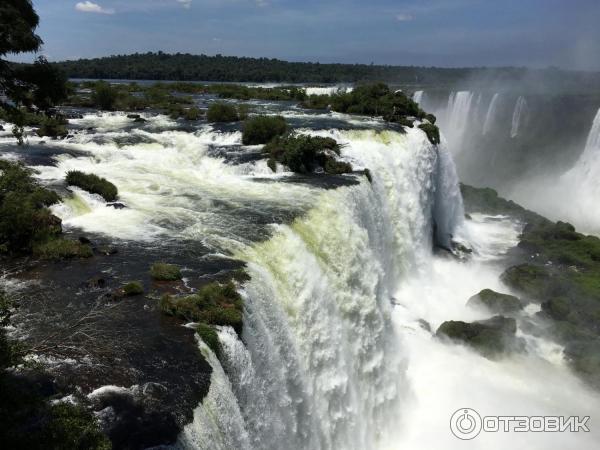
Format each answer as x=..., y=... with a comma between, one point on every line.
x=448, y=33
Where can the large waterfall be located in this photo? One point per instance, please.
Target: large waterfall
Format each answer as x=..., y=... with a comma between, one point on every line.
x=321, y=367
x=457, y=117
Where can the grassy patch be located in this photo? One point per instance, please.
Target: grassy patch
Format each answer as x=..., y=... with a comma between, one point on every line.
x=133, y=288
x=222, y=112
x=55, y=249
x=93, y=184
x=208, y=334
x=161, y=271
x=213, y=304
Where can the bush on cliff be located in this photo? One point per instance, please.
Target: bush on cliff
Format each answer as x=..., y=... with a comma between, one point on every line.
x=303, y=154
x=93, y=184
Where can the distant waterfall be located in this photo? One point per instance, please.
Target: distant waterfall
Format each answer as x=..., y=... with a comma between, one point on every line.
x=587, y=168
x=458, y=113
x=491, y=114
x=519, y=112
x=418, y=96
x=321, y=367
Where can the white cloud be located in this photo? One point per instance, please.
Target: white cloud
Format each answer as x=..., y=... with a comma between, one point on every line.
x=90, y=7
x=404, y=17
x=185, y=3
x=262, y=3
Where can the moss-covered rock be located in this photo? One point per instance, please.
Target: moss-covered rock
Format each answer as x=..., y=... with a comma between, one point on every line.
x=532, y=280
x=93, y=184
x=161, y=271
x=490, y=337
x=133, y=288
x=495, y=302
x=262, y=129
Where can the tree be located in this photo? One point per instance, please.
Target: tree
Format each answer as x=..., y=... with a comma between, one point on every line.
x=30, y=86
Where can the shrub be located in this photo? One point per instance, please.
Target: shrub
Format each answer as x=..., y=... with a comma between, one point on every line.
x=192, y=113
x=24, y=217
x=303, y=154
x=209, y=337
x=55, y=249
x=53, y=127
x=222, y=112
x=261, y=129
x=213, y=304
x=432, y=132
x=93, y=183
x=161, y=271
x=104, y=95
x=133, y=288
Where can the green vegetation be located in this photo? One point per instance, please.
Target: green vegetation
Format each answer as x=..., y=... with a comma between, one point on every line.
x=213, y=304
x=495, y=302
x=93, y=184
x=161, y=271
x=62, y=248
x=222, y=112
x=133, y=288
x=25, y=220
x=377, y=99
x=261, y=129
x=432, y=132
x=53, y=127
x=490, y=337
x=487, y=201
x=104, y=96
x=303, y=154
x=208, y=334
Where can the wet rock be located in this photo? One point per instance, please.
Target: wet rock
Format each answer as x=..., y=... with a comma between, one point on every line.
x=495, y=302
x=133, y=116
x=1, y=128
x=140, y=120
x=116, y=205
x=491, y=337
x=84, y=240
x=425, y=325
x=96, y=282
x=107, y=250
x=135, y=419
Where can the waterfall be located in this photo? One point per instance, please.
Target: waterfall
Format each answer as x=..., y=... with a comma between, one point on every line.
x=418, y=96
x=491, y=114
x=321, y=366
x=586, y=171
x=457, y=117
x=520, y=110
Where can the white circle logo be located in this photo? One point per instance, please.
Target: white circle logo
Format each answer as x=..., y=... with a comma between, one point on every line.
x=465, y=423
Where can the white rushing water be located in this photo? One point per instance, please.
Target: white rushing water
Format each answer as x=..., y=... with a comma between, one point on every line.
x=490, y=117
x=418, y=96
x=457, y=118
x=333, y=354
x=327, y=90
x=518, y=116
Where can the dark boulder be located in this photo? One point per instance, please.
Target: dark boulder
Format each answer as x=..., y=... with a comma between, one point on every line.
x=495, y=302
x=491, y=337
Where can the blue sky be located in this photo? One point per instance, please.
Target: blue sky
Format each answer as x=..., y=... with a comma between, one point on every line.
x=452, y=33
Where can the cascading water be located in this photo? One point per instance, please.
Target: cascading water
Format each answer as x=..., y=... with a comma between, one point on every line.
x=491, y=114
x=321, y=367
x=457, y=118
x=518, y=116
x=418, y=96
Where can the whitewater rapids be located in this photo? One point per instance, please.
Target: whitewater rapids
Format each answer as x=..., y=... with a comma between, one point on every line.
x=335, y=354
